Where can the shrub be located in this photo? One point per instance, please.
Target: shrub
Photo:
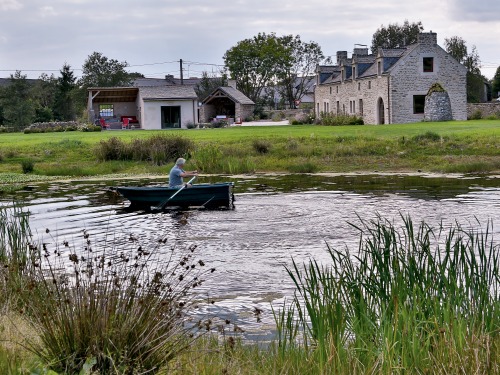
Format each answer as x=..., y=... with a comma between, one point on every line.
x=427, y=136
x=307, y=167
x=27, y=166
x=191, y=125
x=476, y=115
x=330, y=119
x=261, y=146
x=158, y=149
x=220, y=124
x=121, y=311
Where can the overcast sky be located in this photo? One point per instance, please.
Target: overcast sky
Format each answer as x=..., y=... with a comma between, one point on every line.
x=152, y=35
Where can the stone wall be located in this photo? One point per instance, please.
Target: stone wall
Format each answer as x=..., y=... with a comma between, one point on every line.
x=438, y=107
x=358, y=97
x=408, y=79
x=486, y=109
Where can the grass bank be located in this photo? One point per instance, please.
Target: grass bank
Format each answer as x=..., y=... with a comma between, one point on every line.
x=410, y=299
x=448, y=147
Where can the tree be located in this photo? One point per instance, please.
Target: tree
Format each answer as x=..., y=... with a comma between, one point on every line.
x=18, y=106
x=457, y=47
x=255, y=63
x=495, y=87
x=295, y=75
x=208, y=83
x=64, y=106
x=99, y=71
x=43, y=95
x=396, y=36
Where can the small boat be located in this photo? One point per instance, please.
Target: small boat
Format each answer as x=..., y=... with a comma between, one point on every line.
x=219, y=195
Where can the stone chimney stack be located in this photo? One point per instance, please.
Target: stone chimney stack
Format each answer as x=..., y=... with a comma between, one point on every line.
x=231, y=83
x=360, y=51
x=429, y=38
x=341, y=56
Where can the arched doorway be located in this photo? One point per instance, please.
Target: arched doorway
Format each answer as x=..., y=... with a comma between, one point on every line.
x=381, y=111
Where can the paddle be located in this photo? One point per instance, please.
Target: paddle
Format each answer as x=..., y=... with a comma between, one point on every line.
x=164, y=203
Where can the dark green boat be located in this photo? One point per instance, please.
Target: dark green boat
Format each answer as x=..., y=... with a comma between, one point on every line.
x=219, y=195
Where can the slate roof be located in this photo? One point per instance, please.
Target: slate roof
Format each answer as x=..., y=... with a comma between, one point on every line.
x=232, y=93
x=167, y=92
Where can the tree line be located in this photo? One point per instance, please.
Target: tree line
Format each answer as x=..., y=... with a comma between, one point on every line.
x=264, y=67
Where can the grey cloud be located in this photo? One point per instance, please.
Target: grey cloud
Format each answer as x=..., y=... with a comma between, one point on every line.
x=479, y=10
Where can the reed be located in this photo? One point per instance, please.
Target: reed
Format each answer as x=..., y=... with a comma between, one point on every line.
x=410, y=299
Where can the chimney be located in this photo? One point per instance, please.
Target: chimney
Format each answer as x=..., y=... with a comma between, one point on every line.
x=360, y=51
x=429, y=38
x=232, y=83
x=341, y=56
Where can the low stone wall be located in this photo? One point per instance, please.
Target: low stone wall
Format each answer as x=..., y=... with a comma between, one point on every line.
x=486, y=109
x=56, y=124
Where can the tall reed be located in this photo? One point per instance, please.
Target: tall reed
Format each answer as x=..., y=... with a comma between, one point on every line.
x=409, y=300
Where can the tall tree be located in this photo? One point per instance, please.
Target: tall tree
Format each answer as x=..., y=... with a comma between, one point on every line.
x=457, y=47
x=43, y=95
x=396, y=36
x=495, y=87
x=18, y=106
x=64, y=106
x=256, y=62
x=295, y=75
x=99, y=71
x=208, y=83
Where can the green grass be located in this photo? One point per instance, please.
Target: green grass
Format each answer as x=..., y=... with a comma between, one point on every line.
x=460, y=146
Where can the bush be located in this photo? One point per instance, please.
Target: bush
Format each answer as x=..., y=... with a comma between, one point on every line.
x=191, y=125
x=428, y=136
x=330, y=119
x=476, y=115
x=123, y=311
x=159, y=149
x=261, y=146
x=220, y=124
x=27, y=166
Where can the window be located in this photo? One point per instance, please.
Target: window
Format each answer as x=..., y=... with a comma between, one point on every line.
x=337, y=89
x=379, y=67
x=369, y=84
x=361, y=107
x=418, y=103
x=428, y=63
x=338, y=107
x=350, y=106
x=353, y=72
x=359, y=86
x=353, y=106
x=330, y=90
x=106, y=110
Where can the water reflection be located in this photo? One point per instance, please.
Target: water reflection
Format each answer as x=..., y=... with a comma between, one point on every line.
x=276, y=218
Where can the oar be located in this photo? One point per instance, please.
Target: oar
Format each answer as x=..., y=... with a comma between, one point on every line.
x=164, y=203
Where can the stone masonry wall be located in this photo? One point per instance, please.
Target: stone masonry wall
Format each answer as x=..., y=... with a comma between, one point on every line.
x=408, y=79
x=486, y=109
x=344, y=98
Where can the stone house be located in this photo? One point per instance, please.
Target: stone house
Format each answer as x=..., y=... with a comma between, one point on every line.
x=391, y=86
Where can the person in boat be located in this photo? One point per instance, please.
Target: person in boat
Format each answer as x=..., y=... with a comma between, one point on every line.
x=177, y=173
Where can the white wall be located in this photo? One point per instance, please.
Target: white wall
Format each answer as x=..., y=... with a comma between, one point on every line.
x=151, y=112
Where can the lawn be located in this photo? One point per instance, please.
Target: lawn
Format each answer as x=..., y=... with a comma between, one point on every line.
x=459, y=146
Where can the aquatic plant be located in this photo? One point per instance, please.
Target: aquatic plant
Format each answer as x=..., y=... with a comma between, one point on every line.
x=111, y=310
x=408, y=300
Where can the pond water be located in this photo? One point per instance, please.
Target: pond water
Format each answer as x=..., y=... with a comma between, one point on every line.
x=276, y=218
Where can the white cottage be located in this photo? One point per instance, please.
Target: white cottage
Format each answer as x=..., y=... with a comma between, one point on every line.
x=152, y=107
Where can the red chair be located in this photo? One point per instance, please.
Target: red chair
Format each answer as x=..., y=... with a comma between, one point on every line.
x=125, y=122
x=103, y=123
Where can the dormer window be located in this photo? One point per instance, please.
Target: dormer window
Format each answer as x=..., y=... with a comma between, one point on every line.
x=428, y=64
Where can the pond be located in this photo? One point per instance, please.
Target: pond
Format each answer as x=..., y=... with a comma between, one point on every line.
x=276, y=218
